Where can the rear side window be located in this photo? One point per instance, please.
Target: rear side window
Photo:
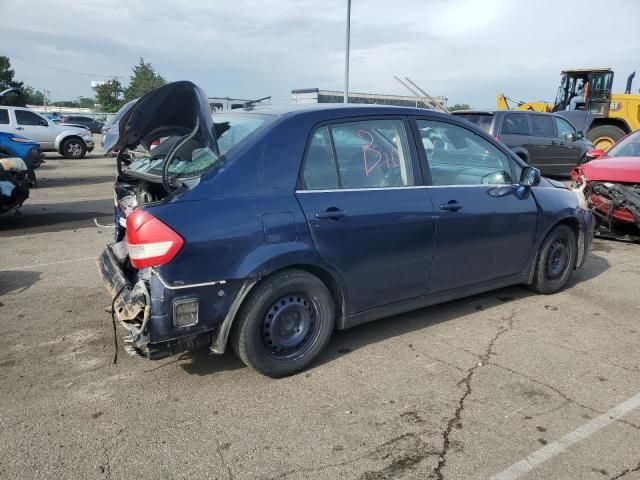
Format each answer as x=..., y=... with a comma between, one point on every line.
x=542, y=126
x=368, y=154
x=24, y=117
x=515, y=124
x=4, y=116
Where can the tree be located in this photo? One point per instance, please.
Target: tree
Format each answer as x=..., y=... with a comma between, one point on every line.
x=34, y=97
x=7, y=81
x=108, y=95
x=143, y=80
x=459, y=106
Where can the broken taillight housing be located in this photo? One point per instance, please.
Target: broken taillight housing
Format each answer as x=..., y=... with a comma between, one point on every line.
x=150, y=242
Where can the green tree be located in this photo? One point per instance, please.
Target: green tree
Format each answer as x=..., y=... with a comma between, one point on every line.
x=86, y=102
x=459, y=106
x=108, y=96
x=7, y=80
x=143, y=80
x=34, y=97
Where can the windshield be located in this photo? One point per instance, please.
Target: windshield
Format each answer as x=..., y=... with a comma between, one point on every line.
x=483, y=120
x=627, y=147
x=192, y=159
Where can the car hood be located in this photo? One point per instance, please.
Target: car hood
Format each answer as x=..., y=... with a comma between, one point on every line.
x=4, y=136
x=177, y=108
x=613, y=169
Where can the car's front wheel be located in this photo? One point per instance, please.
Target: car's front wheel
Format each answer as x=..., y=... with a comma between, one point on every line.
x=284, y=324
x=556, y=260
x=74, y=148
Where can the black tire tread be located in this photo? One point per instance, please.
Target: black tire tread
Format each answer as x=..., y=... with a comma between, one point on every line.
x=540, y=283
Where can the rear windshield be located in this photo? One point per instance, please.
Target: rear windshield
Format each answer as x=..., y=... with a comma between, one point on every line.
x=191, y=158
x=483, y=120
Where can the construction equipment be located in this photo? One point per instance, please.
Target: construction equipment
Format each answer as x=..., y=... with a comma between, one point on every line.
x=585, y=99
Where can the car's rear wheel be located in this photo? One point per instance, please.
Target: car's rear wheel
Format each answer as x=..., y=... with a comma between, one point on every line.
x=556, y=260
x=284, y=324
x=74, y=148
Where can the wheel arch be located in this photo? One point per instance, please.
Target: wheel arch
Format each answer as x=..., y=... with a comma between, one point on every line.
x=63, y=139
x=522, y=152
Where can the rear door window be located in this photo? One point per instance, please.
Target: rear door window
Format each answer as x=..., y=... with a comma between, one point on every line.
x=4, y=116
x=542, y=126
x=354, y=155
x=515, y=124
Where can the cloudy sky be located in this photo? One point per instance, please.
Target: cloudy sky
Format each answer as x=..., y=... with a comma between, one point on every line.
x=467, y=50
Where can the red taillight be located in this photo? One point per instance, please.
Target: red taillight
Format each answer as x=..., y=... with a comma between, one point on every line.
x=497, y=137
x=150, y=242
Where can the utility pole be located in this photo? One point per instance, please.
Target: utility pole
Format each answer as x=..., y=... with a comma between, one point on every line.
x=346, y=54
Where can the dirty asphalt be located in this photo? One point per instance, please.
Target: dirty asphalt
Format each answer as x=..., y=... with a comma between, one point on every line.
x=461, y=390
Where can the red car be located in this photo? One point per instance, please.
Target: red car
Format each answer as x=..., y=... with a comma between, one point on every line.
x=610, y=183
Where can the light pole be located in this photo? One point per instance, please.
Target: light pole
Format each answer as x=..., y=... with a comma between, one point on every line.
x=346, y=54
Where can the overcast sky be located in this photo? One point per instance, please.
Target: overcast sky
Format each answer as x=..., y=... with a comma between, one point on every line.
x=466, y=50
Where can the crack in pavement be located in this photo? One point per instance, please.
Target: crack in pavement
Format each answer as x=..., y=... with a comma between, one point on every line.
x=455, y=420
x=624, y=472
x=222, y=460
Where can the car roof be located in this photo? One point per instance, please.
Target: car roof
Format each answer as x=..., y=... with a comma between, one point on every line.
x=495, y=112
x=337, y=108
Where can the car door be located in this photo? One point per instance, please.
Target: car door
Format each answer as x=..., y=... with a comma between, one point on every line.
x=6, y=125
x=543, y=136
x=569, y=149
x=368, y=215
x=32, y=125
x=514, y=132
x=483, y=231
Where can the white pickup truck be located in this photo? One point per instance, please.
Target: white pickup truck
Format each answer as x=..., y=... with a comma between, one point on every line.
x=69, y=141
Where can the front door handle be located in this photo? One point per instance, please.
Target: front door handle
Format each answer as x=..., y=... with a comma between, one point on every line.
x=451, y=206
x=19, y=128
x=332, y=213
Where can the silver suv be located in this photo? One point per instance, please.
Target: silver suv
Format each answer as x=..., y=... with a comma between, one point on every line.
x=69, y=141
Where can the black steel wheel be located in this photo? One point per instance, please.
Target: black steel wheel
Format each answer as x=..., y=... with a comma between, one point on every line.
x=556, y=260
x=284, y=323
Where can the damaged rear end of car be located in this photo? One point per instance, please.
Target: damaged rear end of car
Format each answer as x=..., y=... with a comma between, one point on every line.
x=166, y=143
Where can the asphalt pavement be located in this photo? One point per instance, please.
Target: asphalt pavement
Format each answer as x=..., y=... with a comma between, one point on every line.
x=508, y=384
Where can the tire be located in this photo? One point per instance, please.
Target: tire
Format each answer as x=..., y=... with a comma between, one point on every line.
x=605, y=136
x=285, y=322
x=556, y=260
x=73, y=148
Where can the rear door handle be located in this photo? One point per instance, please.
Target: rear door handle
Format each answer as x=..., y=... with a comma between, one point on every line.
x=451, y=206
x=19, y=128
x=332, y=213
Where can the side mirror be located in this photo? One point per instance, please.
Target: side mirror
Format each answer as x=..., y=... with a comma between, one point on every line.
x=580, y=135
x=596, y=153
x=43, y=123
x=530, y=177
x=569, y=136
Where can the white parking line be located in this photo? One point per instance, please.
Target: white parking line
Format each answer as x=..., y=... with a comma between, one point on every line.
x=46, y=264
x=555, y=448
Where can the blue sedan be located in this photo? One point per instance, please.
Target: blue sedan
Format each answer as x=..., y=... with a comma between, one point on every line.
x=268, y=228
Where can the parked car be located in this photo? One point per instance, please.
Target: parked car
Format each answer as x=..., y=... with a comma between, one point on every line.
x=12, y=145
x=610, y=183
x=543, y=140
x=275, y=226
x=71, y=142
x=95, y=126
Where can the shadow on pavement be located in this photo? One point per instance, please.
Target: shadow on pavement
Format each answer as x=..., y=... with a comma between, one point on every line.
x=17, y=281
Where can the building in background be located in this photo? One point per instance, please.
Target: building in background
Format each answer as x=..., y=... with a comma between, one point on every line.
x=316, y=95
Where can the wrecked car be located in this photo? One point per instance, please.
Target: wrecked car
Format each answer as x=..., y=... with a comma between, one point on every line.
x=268, y=228
x=15, y=181
x=610, y=185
